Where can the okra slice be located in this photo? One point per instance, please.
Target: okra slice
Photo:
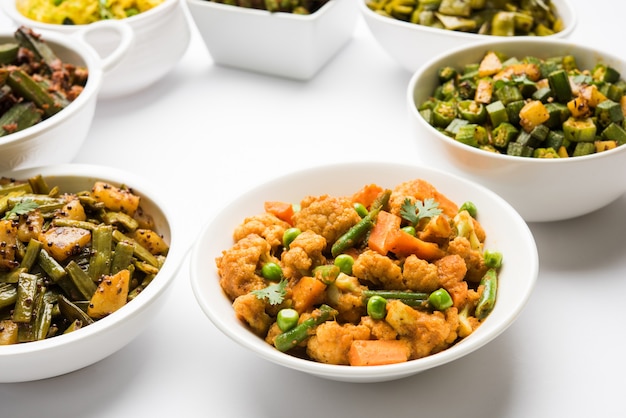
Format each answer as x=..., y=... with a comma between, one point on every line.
x=472, y=111
x=42, y=50
x=20, y=116
x=555, y=139
x=8, y=52
x=558, y=114
x=497, y=113
x=518, y=150
x=579, y=130
x=603, y=72
x=503, y=134
x=584, y=148
x=508, y=93
x=455, y=125
x=559, y=83
x=614, y=132
x=472, y=134
x=608, y=112
x=443, y=113
x=29, y=89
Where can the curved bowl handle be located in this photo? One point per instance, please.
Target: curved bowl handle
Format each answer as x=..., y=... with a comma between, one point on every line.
x=109, y=59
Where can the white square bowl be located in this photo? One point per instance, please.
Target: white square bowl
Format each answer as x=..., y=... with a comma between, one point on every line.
x=281, y=44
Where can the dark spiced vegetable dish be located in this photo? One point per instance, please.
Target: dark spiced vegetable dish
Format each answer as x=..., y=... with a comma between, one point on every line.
x=382, y=276
x=530, y=107
x=68, y=259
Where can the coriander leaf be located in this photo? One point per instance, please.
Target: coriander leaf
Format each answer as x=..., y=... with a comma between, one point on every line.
x=413, y=212
x=275, y=292
x=22, y=208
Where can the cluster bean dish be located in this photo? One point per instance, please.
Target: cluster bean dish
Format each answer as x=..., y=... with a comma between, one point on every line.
x=379, y=277
x=483, y=17
x=530, y=107
x=68, y=259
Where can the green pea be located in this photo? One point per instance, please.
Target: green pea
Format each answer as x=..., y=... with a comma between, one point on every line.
x=470, y=207
x=440, y=299
x=345, y=263
x=493, y=259
x=272, y=271
x=360, y=209
x=409, y=230
x=287, y=319
x=289, y=235
x=377, y=307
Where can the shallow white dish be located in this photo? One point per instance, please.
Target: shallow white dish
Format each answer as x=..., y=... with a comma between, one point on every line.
x=58, y=138
x=69, y=352
x=160, y=38
x=540, y=190
x=281, y=44
x=506, y=230
x=411, y=45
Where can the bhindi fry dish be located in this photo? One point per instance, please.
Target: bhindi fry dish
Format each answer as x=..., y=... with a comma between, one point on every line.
x=82, y=12
x=378, y=277
x=484, y=17
x=530, y=107
x=34, y=83
x=68, y=259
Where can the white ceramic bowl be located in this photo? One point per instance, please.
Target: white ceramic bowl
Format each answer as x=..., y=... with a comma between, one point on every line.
x=281, y=44
x=506, y=232
x=161, y=37
x=69, y=352
x=59, y=138
x=539, y=189
x=411, y=45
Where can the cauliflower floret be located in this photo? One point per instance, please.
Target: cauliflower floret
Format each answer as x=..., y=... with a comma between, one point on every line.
x=379, y=329
x=237, y=266
x=331, y=342
x=251, y=310
x=305, y=253
x=438, y=230
x=420, y=275
x=451, y=271
x=378, y=269
x=421, y=190
x=426, y=332
x=265, y=225
x=474, y=261
x=327, y=216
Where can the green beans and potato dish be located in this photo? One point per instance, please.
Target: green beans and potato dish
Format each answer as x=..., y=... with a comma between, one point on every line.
x=381, y=276
x=34, y=83
x=530, y=107
x=484, y=17
x=70, y=258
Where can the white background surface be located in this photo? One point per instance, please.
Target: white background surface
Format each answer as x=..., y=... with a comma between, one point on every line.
x=208, y=133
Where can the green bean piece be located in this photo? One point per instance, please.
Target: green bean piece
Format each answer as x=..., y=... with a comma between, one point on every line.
x=38, y=185
x=75, y=325
x=289, y=235
x=377, y=307
x=327, y=273
x=8, y=295
x=361, y=229
x=89, y=226
x=345, y=263
x=487, y=299
x=81, y=280
x=405, y=296
x=470, y=207
x=31, y=255
x=43, y=316
x=58, y=274
x=25, y=303
x=72, y=311
x=440, y=299
x=122, y=257
x=287, y=319
x=288, y=340
x=139, y=251
x=120, y=218
x=101, y=252
x=12, y=276
x=493, y=259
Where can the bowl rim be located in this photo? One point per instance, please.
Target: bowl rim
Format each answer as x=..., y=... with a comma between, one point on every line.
x=9, y=7
x=493, y=44
x=90, y=91
x=256, y=345
x=373, y=16
x=227, y=8
x=162, y=281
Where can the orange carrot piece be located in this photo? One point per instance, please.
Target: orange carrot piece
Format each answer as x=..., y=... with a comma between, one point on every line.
x=385, y=223
x=367, y=195
x=281, y=210
x=378, y=352
x=426, y=190
x=306, y=293
x=403, y=244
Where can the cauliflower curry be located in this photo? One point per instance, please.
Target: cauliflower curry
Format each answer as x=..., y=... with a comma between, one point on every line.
x=379, y=277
